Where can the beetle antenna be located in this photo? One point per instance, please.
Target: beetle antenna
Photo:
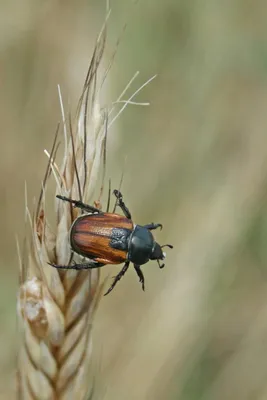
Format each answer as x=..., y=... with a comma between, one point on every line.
x=167, y=245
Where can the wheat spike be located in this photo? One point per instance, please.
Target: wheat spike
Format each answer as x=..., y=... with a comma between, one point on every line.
x=55, y=307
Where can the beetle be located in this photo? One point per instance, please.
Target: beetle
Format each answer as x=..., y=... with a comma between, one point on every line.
x=109, y=238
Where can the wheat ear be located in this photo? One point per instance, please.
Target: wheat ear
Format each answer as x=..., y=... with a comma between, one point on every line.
x=55, y=307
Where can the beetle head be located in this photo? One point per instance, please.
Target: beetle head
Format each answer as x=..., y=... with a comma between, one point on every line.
x=158, y=254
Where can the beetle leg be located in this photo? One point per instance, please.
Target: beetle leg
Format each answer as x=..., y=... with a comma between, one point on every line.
x=140, y=274
x=153, y=226
x=118, y=277
x=121, y=204
x=87, y=265
x=160, y=265
x=80, y=204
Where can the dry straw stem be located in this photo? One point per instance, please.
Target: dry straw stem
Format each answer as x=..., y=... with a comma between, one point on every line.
x=56, y=308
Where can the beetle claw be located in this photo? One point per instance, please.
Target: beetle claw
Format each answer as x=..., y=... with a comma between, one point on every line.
x=117, y=194
x=143, y=284
x=140, y=275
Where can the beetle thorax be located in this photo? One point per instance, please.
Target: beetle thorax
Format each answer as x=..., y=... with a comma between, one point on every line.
x=141, y=244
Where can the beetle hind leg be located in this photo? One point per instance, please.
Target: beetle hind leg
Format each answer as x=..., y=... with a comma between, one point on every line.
x=80, y=204
x=118, y=277
x=78, y=266
x=140, y=275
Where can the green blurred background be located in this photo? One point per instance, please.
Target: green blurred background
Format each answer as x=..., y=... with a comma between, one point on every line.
x=196, y=162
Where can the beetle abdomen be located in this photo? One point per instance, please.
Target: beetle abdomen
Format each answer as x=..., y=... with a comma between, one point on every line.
x=101, y=236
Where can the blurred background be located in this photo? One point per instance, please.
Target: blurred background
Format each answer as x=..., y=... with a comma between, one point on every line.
x=196, y=162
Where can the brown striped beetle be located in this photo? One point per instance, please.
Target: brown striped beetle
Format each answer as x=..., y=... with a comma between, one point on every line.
x=109, y=238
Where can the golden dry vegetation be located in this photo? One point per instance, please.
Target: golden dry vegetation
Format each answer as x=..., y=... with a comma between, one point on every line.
x=196, y=161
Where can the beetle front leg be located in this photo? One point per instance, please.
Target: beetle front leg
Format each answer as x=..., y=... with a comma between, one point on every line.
x=153, y=226
x=88, y=265
x=80, y=204
x=140, y=275
x=121, y=204
x=118, y=277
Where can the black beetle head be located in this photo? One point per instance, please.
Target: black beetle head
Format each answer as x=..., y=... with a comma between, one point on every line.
x=158, y=254
x=142, y=247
